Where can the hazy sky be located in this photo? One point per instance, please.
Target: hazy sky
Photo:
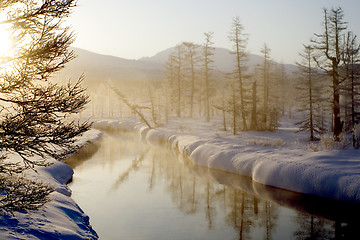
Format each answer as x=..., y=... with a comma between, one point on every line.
x=137, y=28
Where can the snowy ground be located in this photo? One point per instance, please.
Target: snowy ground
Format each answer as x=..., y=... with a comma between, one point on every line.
x=281, y=159
x=61, y=218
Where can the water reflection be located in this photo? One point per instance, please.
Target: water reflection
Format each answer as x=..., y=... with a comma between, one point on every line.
x=151, y=192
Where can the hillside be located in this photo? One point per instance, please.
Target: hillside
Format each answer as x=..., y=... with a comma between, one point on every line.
x=98, y=67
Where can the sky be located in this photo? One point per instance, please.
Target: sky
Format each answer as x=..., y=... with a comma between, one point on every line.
x=133, y=29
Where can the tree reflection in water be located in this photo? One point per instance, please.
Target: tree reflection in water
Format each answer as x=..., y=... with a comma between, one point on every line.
x=253, y=210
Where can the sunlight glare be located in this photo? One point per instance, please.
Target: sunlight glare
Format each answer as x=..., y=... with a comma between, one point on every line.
x=5, y=39
x=5, y=43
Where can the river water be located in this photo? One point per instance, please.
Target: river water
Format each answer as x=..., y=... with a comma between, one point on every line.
x=133, y=190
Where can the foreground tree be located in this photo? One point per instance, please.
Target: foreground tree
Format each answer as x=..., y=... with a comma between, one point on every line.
x=34, y=121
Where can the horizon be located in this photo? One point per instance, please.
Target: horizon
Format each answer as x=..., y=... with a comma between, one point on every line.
x=137, y=29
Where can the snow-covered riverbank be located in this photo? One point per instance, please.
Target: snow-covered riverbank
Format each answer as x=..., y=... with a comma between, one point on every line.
x=281, y=159
x=61, y=218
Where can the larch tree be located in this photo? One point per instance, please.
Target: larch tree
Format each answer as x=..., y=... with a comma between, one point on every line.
x=175, y=76
x=309, y=93
x=283, y=84
x=329, y=45
x=233, y=107
x=352, y=82
x=178, y=56
x=208, y=51
x=169, y=85
x=265, y=74
x=239, y=41
x=192, y=60
x=34, y=121
x=254, y=124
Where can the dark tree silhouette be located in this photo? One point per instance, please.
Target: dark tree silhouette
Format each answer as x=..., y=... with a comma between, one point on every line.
x=34, y=112
x=352, y=83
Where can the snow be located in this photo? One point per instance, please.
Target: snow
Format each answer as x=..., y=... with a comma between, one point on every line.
x=60, y=218
x=281, y=159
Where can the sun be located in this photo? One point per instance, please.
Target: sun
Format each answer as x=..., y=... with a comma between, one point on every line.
x=5, y=43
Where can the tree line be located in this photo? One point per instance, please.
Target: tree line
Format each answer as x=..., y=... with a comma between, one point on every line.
x=325, y=89
x=246, y=98
x=328, y=80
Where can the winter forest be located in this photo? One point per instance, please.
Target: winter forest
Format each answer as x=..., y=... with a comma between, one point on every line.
x=323, y=88
x=216, y=109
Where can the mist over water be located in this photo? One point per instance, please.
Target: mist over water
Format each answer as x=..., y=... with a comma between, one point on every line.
x=132, y=190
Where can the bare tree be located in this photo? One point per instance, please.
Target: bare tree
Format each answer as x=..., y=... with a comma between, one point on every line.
x=34, y=111
x=192, y=59
x=179, y=77
x=266, y=54
x=239, y=40
x=329, y=44
x=254, y=125
x=174, y=76
x=352, y=88
x=309, y=93
x=169, y=89
x=207, y=61
x=134, y=107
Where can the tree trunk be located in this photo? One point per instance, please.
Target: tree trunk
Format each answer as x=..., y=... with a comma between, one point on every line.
x=254, y=109
x=336, y=101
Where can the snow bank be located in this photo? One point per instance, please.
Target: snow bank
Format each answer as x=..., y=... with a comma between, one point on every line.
x=290, y=165
x=61, y=218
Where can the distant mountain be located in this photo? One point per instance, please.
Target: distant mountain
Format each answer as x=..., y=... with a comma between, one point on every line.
x=98, y=67
x=223, y=59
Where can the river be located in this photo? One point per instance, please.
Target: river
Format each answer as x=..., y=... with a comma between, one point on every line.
x=133, y=190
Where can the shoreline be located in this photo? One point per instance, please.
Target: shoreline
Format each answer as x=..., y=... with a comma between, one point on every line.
x=287, y=164
x=290, y=165
x=61, y=217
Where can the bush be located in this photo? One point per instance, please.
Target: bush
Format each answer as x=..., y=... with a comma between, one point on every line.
x=268, y=142
x=328, y=142
x=19, y=194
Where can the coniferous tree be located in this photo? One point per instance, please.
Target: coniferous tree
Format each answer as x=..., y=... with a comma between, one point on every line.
x=329, y=45
x=254, y=112
x=352, y=82
x=169, y=85
x=266, y=69
x=192, y=61
x=178, y=56
x=309, y=92
x=283, y=88
x=239, y=40
x=208, y=51
x=34, y=110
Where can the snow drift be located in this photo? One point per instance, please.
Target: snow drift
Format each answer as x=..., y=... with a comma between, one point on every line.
x=288, y=164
